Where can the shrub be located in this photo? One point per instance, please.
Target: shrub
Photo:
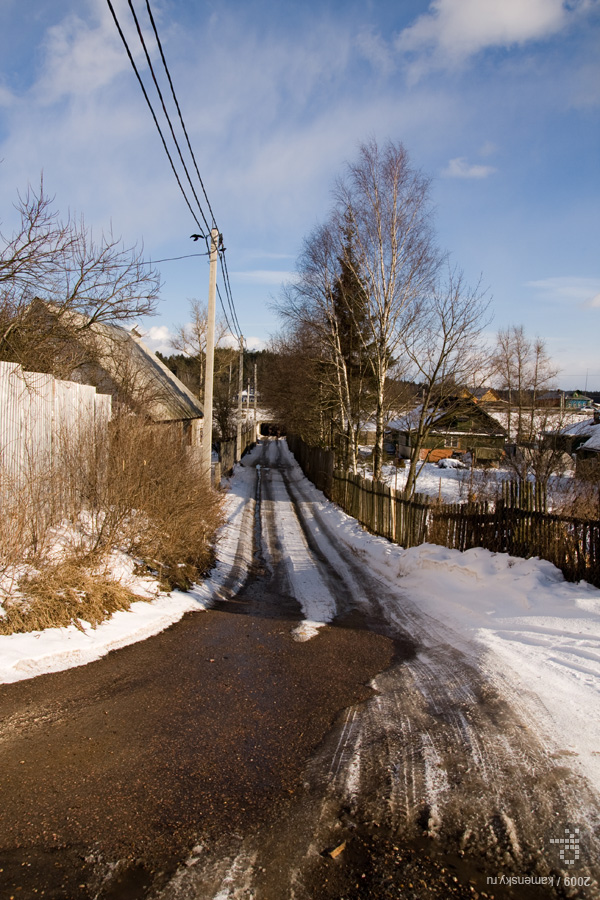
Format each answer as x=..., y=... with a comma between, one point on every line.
x=136, y=488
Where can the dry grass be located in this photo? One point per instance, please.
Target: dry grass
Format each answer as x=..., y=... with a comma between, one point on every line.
x=63, y=594
x=137, y=489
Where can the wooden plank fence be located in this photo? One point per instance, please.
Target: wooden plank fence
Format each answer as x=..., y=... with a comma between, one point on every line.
x=518, y=523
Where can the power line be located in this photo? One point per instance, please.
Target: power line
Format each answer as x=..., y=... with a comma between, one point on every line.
x=166, y=68
x=153, y=262
x=207, y=227
x=227, y=283
x=224, y=312
x=164, y=108
x=150, y=107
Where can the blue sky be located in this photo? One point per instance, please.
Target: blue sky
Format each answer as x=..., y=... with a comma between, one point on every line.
x=498, y=101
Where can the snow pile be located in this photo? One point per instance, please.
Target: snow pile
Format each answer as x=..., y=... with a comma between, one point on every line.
x=541, y=634
x=448, y=462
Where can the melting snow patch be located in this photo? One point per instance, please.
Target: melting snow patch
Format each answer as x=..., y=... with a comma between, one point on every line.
x=306, y=630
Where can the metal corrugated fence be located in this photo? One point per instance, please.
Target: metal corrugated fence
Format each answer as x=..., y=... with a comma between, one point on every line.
x=36, y=409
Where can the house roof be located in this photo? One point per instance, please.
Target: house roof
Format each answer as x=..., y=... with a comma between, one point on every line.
x=483, y=392
x=551, y=395
x=132, y=368
x=577, y=429
x=118, y=362
x=174, y=400
x=444, y=418
x=593, y=442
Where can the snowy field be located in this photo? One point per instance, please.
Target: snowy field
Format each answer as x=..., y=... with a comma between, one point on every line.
x=536, y=634
x=449, y=484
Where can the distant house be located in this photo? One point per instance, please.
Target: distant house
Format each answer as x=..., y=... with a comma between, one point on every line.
x=565, y=399
x=580, y=440
x=551, y=399
x=459, y=426
x=577, y=400
x=485, y=395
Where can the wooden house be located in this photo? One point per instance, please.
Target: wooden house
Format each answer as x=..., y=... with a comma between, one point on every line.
x=459, y=426
x=577, y=400
x=570, y=438
x=117, y=362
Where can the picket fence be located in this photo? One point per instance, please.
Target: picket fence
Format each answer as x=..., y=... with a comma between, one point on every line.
x=35, y=411
x=518, y=523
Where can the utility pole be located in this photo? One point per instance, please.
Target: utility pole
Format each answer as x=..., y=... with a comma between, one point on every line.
x=240, y=391
x=255, y=392
x=210, y=352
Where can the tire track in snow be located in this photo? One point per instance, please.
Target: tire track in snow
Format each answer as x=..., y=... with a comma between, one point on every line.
x=495, y=765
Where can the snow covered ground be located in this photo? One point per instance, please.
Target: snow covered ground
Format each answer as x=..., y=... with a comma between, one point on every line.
x=517, y=619
x=449, y=484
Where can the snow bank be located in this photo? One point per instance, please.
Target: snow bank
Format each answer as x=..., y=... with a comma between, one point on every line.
x=536, y=635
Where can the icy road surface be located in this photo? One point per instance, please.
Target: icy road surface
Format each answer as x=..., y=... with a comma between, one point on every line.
x=451, y=756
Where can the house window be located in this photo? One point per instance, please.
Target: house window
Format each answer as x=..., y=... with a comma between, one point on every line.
x=452, y=440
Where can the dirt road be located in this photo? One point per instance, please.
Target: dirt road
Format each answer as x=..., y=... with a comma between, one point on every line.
x=229, y=758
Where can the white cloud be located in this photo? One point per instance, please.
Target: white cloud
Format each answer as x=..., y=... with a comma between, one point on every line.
x=585, y=292
x=488, y=149
x=453, y=30
x=460, y=168
x=7, y=98
x=375, y=50
x=82, y=57
x=263, y=276
x=158, y=337
x=255, y=343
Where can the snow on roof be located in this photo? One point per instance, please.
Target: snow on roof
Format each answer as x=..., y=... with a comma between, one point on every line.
x=124, y=355
x=593, y=443
x=406, y=422
x=578, y=429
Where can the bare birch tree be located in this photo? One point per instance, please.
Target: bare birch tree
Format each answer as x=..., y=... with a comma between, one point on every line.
x=446, y=352
x=190, y=339
x=310, y=304
x=385, y=203
x=524, y=369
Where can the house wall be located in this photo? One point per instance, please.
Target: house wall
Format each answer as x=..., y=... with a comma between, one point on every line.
x=587, y=464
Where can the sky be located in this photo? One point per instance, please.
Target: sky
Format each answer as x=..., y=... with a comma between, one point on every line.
x=497, y=101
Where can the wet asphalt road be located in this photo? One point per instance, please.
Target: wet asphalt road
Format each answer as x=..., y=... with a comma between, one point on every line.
x=111, y=773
